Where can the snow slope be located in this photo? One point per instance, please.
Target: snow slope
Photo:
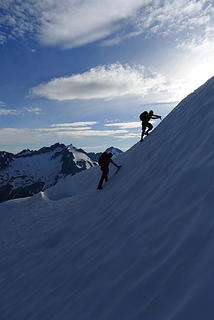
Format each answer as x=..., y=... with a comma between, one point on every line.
x=142, y=248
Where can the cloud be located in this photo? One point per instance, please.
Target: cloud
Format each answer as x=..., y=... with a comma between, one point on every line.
x=124, y=125
x=66, y=23
x=101, y=19
x=114, y=21
x=173, y=16
x=19, y=136
x=2, y=104
x=59, y=129
x=129, y=136
x=71, y=126
x=8, y=112
x=11, y=112
x=118, y=38
x=80, y=129
x=73, y=23
x=30, y=136
x=102, y=82
x=74, y=124
x=127, y=126
x=92, y=133
x=36, y=111
x=18, y=19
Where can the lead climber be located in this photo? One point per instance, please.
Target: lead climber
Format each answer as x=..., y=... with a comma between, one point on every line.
x=145, y=117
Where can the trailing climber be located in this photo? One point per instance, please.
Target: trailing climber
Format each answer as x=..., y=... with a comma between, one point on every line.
x=104, y=161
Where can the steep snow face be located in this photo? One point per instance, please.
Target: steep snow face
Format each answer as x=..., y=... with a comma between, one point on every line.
x=80, y=157
x=142, y=248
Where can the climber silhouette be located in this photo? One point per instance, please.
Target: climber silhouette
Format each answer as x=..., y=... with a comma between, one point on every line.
x=145, y=117
x=104, y=161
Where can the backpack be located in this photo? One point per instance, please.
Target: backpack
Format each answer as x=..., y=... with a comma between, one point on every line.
x=103, y=159
x=144, y=116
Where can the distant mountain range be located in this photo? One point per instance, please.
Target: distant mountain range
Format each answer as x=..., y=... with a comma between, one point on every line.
x=29, y=172
x=95, y=156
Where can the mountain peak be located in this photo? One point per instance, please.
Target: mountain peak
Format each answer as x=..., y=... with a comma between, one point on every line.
x=31, y=171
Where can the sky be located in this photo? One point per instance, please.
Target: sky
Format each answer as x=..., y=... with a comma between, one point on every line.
x=80, y=72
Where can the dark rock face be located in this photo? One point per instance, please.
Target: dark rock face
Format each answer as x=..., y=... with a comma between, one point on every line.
x=26, y=191
x=68, y=164
x=5, y=192
x=30, y=153
x=5, y=159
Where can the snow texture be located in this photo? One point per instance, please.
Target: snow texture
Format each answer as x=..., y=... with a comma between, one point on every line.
x=142, y=248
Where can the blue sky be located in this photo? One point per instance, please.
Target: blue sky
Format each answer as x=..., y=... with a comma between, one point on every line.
x=80, y=72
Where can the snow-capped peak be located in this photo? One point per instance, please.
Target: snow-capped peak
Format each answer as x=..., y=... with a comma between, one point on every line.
x=31, y=171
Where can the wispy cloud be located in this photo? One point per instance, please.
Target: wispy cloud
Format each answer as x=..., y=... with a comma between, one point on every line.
x=102, y=82
x=80, y=129
x=36, y=111
x=11, y=112
x=92, y=133
x=129, y=136
x=173, y=16
x=18, y=19
x=129, y=126
x=29, y=135
x=8, y=112
x=124, y=125
x=71, y=127
x=2, y=104
x=19, y=136
x=60, y=129
x=74, y=124
x=72, y=23
x=52, y=20
x=101, y=19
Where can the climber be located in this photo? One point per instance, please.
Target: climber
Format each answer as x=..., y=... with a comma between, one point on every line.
x=145, y=117
x=104, y=161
